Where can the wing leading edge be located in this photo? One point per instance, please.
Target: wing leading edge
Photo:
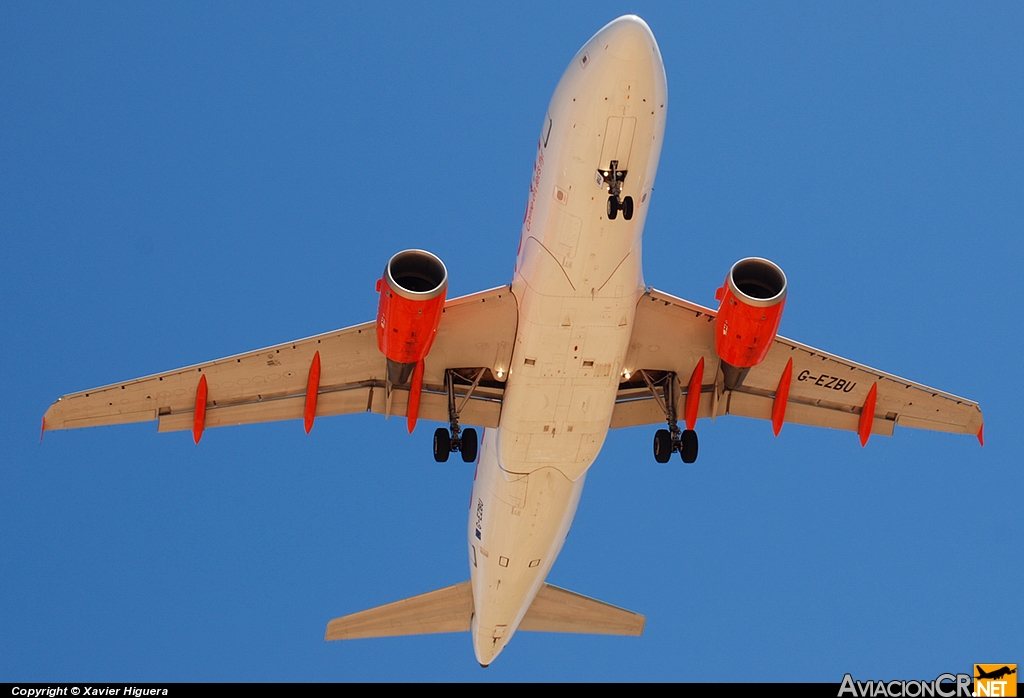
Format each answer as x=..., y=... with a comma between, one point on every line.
x=672, y=335
x=476, y=331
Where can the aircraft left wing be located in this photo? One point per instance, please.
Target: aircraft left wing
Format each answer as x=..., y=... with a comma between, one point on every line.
x=475, y=332
x=672, y=335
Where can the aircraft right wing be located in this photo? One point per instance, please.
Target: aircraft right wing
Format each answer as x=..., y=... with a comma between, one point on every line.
x=672, y=335
x=476, y=332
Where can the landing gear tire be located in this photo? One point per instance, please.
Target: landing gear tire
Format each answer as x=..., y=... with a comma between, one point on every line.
x=469, y=445
x=662, y=445
x=613, y=207
x=688, y=446
x=627, y=208
x=442, y=445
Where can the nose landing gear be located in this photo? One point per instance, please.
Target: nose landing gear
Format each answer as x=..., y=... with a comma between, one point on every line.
x=613, y=178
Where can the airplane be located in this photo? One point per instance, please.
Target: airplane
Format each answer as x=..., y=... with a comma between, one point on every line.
x=995, y=674
x=575, y=345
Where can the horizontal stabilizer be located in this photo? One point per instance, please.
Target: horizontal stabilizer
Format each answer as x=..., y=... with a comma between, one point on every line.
x=557, y=610
x=450, y=610
x=447, y=610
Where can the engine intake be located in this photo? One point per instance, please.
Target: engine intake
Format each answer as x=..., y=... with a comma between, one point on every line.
x=416, y=275
x=748, y=319
x=412, y=295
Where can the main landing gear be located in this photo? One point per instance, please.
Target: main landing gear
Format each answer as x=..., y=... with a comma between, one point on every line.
x=613, y=178
x=668, y=441
x=685, y=442
x=445, y=443
x=456, y=439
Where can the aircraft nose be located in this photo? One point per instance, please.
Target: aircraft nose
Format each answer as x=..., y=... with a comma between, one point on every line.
x=628, y=38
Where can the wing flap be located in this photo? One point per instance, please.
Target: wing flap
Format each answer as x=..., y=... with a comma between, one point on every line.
x=480, y=411
x=557, y=610
x=447, y=610
x=249, y=413
x=760, y=407
x=346, y=401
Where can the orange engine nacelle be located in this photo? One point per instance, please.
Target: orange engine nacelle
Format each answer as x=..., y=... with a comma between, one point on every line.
x=412, y=293
x=752, y=298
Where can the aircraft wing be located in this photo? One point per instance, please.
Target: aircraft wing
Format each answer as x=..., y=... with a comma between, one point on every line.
x=672, y=335
x=475, y=332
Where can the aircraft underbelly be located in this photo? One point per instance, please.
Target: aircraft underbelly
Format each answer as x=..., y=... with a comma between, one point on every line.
x=578, y=274
x=517, y=528
x=577, y=281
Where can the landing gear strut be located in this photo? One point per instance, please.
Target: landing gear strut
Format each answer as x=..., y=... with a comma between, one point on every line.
x=456, y=439
x=668, y=441
x=613, y=178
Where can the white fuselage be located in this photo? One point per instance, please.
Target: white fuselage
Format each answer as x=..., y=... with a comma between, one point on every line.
x=577, y=281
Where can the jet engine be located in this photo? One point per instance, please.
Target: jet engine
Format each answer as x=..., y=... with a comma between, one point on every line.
x=752, y=300
x=412, y=294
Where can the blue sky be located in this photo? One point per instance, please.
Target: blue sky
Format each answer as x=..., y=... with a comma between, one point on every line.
x=183, y=182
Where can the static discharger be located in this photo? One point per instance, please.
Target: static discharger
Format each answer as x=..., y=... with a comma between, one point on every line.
x=693, y=395
x=867, y=415
x=781, y=398
x=312, y=390
x=199, y=418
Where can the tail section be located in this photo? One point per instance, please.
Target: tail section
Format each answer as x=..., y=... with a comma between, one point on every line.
x=450, y=610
